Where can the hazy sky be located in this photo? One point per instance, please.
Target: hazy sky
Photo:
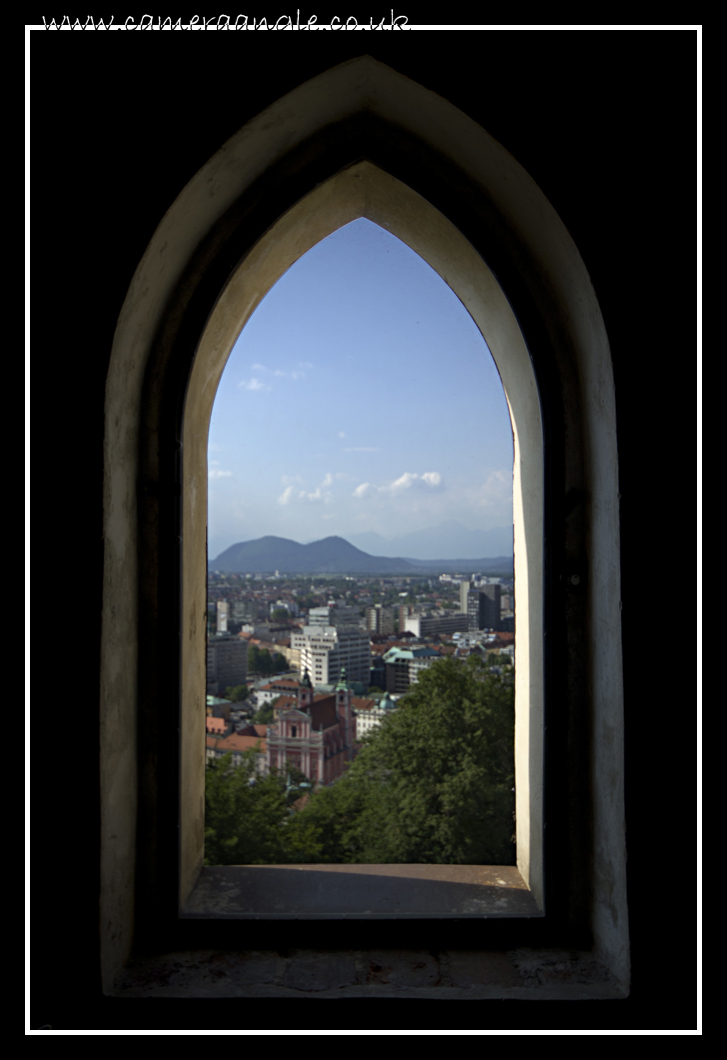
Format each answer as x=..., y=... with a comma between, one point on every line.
x=360, y=396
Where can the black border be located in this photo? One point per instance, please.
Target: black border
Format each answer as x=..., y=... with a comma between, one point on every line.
x=604, y=123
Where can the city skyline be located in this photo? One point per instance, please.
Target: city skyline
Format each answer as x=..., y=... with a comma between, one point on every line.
x=359, y=398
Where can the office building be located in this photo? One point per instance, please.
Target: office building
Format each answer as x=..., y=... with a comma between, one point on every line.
x=430, y=625
x=325, y=650
x=380, y=619
x=226, y=663
x=481, y=604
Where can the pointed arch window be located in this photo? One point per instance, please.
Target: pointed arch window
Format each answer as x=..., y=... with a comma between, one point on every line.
x=364, y=142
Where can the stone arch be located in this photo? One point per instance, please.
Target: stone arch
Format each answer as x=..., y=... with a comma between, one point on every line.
x=356, y=138
x=364, y=190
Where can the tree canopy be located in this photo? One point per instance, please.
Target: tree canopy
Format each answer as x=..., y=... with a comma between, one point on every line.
x=264, y=714
x=433, y=784
x=247, y=816
x=260, y=661
x=236, y=693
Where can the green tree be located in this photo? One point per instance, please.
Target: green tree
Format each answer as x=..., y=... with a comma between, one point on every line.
x=278, y=662
x=296, y=784
x=243, y=814
x=236, y=693
x=264, y=715
x=248, y=817
x=433, y=784
x=259, y=660
x=498, y=659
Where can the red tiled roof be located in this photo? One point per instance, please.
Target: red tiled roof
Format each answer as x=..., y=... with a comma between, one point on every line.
x=505, y=638
x=215, y=724
x=284, y=682
x=286, y=703
x=236, y=743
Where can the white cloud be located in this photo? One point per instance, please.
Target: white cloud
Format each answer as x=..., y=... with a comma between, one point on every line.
x=254, y=384
x=217, y=473
x=429, y=481
x=496, y=487
x=321, y=494
x=405, y=482
x=341, y=434
x=297, y=373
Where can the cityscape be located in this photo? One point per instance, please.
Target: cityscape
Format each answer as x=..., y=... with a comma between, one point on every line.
x=360, y=672
x=303, y=672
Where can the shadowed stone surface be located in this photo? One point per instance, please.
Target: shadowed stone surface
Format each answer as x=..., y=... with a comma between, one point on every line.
x=361, y=891
x=518, y=974
x=481, y=969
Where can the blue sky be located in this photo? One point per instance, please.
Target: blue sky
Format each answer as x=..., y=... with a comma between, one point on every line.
x=359, y=397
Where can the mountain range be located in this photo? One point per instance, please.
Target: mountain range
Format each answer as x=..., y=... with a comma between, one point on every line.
x=333, y=555
x=448, y=540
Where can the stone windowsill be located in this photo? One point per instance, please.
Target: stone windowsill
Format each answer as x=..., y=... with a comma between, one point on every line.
x=359, y=892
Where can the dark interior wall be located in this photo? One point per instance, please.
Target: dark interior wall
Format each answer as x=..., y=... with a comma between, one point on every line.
x=604, y=123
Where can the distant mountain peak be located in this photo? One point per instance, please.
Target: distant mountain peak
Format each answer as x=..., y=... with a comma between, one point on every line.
x=329, y=555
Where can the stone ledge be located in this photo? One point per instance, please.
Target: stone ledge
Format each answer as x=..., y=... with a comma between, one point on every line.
x=525, y=974
x=362, y=892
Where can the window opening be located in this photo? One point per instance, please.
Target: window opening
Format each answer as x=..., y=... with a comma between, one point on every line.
x=368, y=541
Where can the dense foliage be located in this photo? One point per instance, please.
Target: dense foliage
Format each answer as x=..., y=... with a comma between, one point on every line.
x=236, y=693
x=247, y=816
x=264, y=714
x=260, y=661
x=433, y=784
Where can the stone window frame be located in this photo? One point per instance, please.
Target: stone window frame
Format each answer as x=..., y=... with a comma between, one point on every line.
x=361, y=110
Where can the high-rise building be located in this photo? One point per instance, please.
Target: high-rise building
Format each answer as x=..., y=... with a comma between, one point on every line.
x=429, y=625
x=380, y=619
x=226, y=663
x=325, y=650
x=338, y=615
x=399, y=671
x=481, y=604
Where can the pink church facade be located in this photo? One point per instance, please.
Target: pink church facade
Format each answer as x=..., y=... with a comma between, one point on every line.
x=317, y=735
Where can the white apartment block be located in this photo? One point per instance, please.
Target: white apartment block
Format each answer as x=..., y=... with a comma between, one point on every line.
x=338, y=615
x=428, y=625
x=325, y=650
